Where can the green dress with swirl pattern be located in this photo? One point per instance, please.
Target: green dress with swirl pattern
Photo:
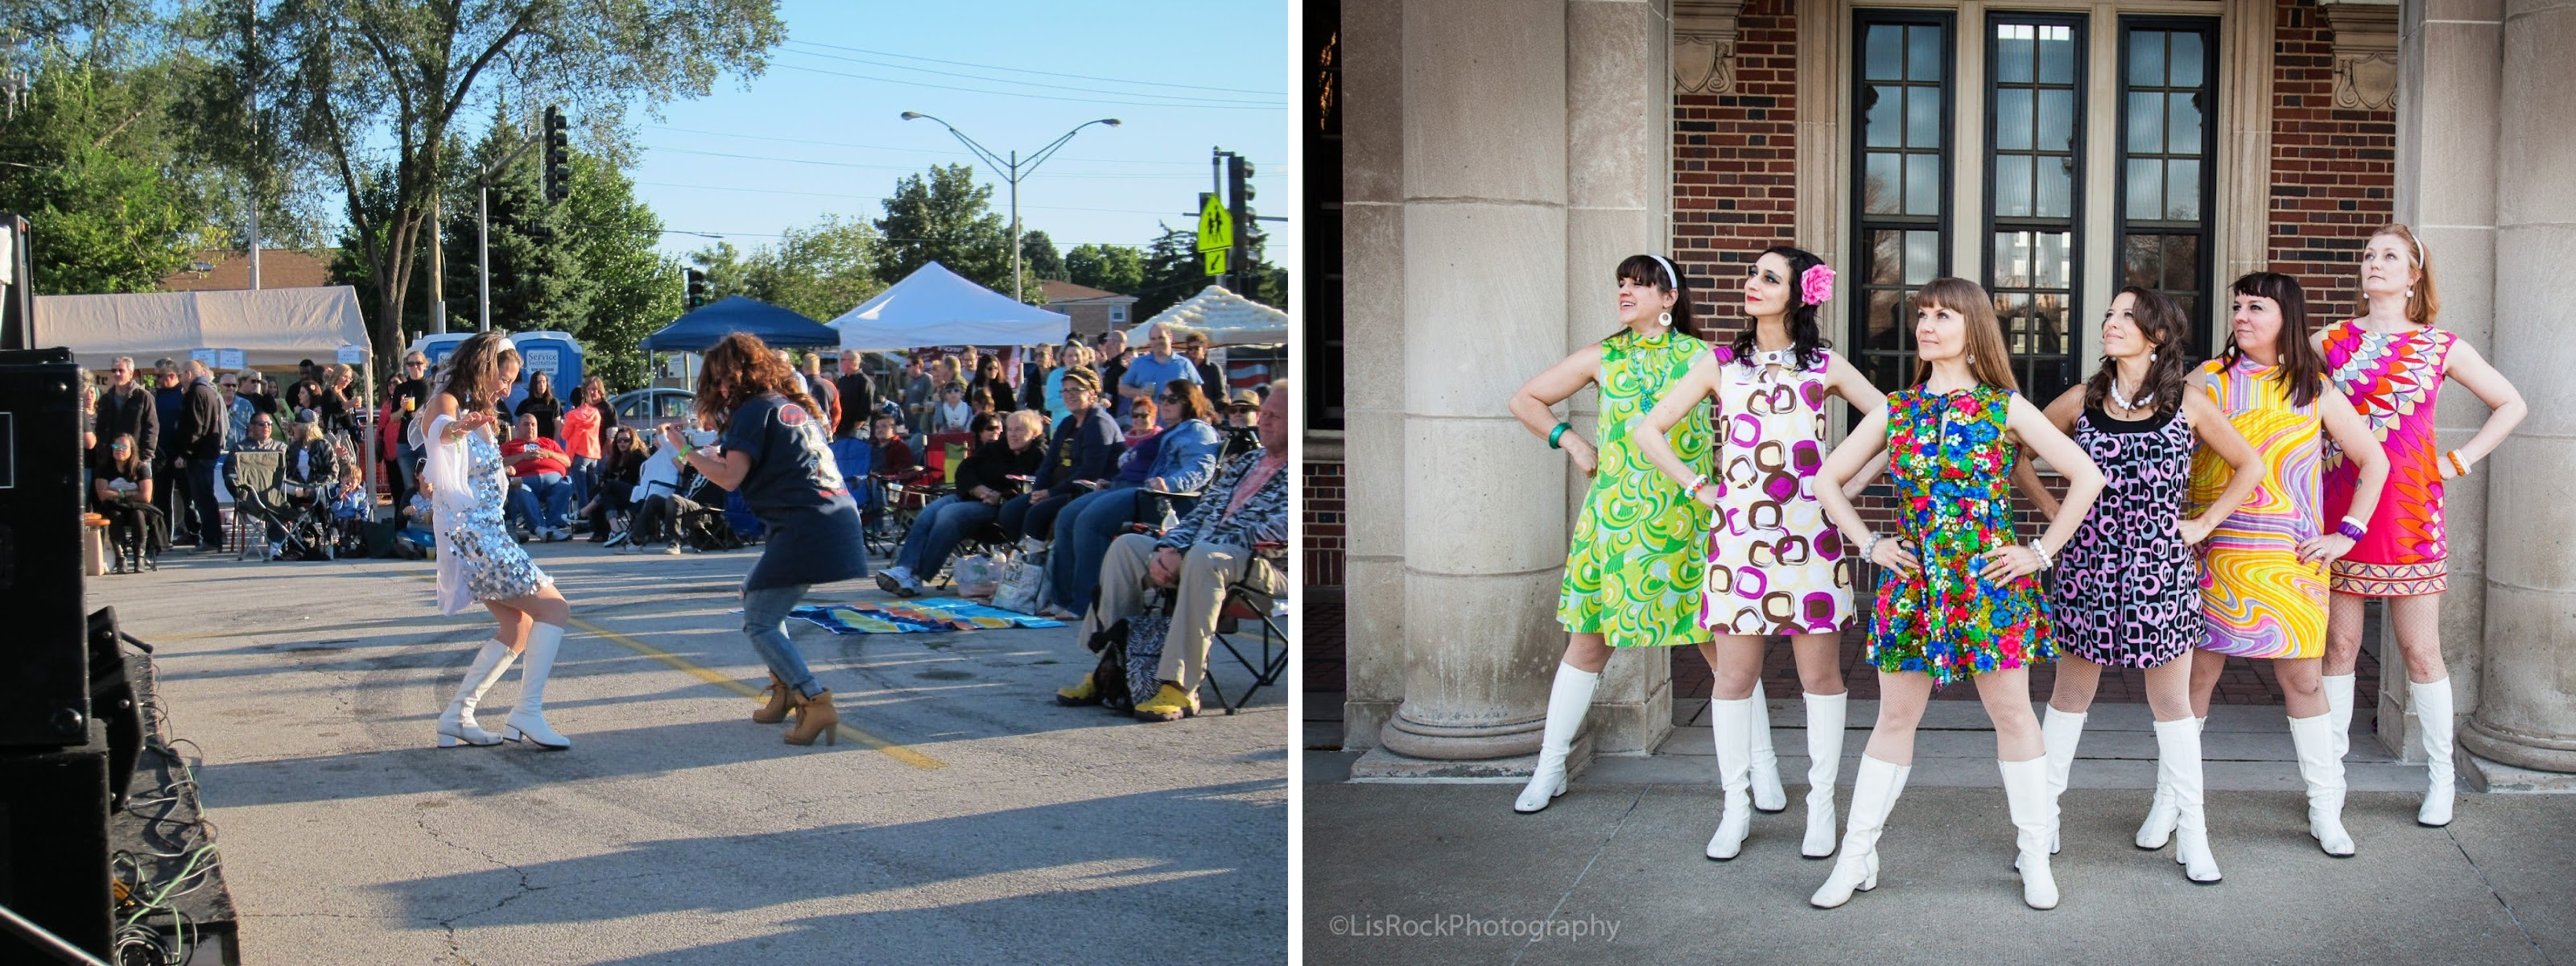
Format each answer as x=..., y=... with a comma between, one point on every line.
x=1633, y=573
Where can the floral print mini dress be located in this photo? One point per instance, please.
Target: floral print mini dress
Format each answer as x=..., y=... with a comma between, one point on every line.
x=1952, y=466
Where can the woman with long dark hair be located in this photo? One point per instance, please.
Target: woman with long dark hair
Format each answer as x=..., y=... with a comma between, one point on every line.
x=620, y=469
x=2263, y=569
x=2392, y=362
x=2128, y=588
x=1634, y=562
x=478, y=561
x=775, y=452
x=988, y=377
x=541, y=402
x=1775, y=566
x=1181, y=458
x=1961, y=599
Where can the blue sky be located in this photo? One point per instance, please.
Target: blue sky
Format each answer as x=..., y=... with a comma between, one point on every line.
x=1181, y=77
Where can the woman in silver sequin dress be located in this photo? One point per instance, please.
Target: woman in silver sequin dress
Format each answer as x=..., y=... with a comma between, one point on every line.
x=478, y=561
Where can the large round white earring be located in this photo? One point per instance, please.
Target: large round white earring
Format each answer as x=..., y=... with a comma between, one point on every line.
x=2151, y=356
x=1972, y=358
x=1666, y=319
x=2410, y=292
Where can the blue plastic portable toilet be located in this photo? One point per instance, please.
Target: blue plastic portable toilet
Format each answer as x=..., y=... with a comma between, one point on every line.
x=557, y=354
x=436, y=348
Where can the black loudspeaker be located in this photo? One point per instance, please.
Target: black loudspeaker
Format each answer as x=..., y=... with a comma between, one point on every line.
x=111, y=701
x=44, y=674
x=53, y=846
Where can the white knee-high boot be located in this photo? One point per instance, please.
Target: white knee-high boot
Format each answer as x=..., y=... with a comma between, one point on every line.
x=1767, y=793
x=457, y=725
x=2339, y=705
x=2161, y=814
x=2059, y=732
x=2432, y=701
x=1733, y=723
x=2178, y=767
x=2026, y=794
x=2322, y=770
x=1824, y=764
x=1568, y=700
x=1875, y=787
x=528, y=718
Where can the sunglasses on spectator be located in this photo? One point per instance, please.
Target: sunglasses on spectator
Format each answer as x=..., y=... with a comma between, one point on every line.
x=119, y=446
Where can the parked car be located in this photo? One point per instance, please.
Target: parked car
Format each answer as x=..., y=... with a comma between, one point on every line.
x=647, y=407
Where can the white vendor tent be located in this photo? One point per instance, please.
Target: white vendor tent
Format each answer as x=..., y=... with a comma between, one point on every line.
x=935, y=306
x=1224, y=317
x=272, y=327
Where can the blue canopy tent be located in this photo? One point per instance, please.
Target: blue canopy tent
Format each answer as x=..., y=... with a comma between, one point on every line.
x=700, y=330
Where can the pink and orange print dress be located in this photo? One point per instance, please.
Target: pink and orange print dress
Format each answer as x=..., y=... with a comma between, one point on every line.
x=2392, y=379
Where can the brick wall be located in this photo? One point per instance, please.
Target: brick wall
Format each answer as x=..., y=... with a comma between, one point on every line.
x=1321, y=508
x=1735, y=155
x=2334, y=170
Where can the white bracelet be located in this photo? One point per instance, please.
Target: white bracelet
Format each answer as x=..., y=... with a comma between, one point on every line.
x=2045, y=561
x=1869, y=547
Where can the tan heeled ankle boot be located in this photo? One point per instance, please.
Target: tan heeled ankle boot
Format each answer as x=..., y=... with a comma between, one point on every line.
x=781, y=698
x=815, y=716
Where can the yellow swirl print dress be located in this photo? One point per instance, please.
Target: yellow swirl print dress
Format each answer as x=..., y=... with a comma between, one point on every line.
x=2257, y=599
x=1633, y=573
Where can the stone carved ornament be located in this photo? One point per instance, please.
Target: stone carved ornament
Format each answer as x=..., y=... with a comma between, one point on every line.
x=2365, y=52
x=1704, y=46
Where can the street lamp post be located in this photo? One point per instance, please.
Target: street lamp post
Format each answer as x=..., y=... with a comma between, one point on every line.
x=1014, y=169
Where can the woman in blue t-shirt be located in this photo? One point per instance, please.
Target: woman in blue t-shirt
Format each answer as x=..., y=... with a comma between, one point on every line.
x=1180, y=459
x=775, y=454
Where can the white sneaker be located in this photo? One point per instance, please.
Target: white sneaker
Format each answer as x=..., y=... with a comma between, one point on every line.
x=672, y=548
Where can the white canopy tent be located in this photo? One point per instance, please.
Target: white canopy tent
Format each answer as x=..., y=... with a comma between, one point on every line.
x=935, y=306
x=272, y=327
x=1224, y=317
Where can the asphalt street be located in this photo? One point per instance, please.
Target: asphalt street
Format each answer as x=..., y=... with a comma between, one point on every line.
x=962, y=817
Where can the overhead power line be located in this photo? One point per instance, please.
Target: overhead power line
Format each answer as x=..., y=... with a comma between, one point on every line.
x=1006, y=80
x=1047, y=97
x=1045, y=73
x=827, y=194
x=884, y=147
x=891, y=167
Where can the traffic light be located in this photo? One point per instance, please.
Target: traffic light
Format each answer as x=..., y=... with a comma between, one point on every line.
x=558, y=160
x=697, y=289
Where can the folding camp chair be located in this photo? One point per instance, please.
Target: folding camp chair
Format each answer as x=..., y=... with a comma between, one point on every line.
x=1263, y=651
x=257, y=480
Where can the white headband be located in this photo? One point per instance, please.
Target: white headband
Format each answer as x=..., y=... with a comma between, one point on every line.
x=2419, y=249
x=1674, y=279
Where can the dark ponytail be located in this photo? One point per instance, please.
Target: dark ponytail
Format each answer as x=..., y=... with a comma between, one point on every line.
x=2162, y=322
x=1649, y=271
x=1804, y=335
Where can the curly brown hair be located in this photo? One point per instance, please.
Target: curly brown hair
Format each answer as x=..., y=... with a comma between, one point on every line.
x=740, y=368
x=473, y=373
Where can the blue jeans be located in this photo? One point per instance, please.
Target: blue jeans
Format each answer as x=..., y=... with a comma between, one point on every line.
x=552, y=488
x=936, y=531
x=1021, y=518
x=585, y=479
x=764, y=620
x=1082, y=535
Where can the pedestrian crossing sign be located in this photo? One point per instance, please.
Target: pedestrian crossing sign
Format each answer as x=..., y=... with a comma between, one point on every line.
x=1215, y=261
x=1216, y=228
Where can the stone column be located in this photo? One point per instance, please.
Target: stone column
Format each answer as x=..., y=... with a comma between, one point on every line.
x=2448, y=80
x=1484, y=291
x=2526, y=717
x=1618, y=183
x=1373, y=339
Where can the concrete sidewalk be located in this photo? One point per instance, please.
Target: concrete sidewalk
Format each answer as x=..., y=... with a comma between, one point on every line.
x=964, y=817
x=1445, y=871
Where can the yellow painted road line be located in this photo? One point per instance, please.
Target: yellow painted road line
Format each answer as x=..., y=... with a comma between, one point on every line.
x=890, y=749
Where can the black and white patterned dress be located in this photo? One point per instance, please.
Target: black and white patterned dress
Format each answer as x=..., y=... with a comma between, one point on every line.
x=2128, y=589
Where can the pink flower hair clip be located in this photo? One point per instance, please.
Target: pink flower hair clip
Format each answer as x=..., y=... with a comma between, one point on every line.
x=1816, y=285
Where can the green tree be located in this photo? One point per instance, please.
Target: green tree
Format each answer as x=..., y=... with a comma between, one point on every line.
x=945, y=218
x=353, y=85
x=820, y=271
x=1109, y=268
x=94, y=160
x=538, y=281
x=1039, y=259
x=633, y=288
x=726, y=270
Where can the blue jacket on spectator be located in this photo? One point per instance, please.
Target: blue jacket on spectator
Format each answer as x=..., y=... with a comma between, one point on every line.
x=1088, y=451
x=1187, y=460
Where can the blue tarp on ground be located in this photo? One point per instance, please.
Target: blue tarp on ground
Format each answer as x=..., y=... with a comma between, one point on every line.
x=702, y=329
